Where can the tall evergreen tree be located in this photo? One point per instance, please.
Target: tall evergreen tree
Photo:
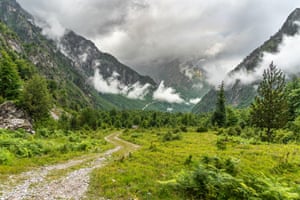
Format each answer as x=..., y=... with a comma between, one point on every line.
x=219, y=116
x=270, y=108
x=10, y=80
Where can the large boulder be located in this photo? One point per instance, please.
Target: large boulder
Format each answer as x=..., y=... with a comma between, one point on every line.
x=11, y=117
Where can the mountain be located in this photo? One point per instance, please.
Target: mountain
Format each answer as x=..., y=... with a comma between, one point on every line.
x=187, y=76
x=239, y=94
x=71, y=63
x=86, y=56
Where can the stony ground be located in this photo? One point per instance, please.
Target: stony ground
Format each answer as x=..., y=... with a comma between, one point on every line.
x=69, y=180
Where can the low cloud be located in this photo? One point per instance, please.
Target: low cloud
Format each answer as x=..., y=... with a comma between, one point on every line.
x=138, y=91
x=287, y=59
x=167, y=94
x=51, y=26
x=194, y=101
x=140, y=32
x=113, y=86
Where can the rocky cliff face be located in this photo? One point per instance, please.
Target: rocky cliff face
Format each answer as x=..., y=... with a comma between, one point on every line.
x=14, y=118
x=241, y=95
x=87, y=57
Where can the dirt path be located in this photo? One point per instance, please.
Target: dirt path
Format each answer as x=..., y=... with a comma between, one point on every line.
x=71, y=184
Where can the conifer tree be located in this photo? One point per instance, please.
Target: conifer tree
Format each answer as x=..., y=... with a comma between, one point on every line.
x=270, y=107
x=10, y=81
x=219, y=116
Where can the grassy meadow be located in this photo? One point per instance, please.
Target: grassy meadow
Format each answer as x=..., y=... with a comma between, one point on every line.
x=153, y=170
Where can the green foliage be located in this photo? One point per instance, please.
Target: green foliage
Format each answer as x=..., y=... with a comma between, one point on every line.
x=169, y=136
x=293, y=96
x=94, y=119
x=202, y=129
x=19, y=144
x=36, y=99
x=231, y=116
x=216, y=178
x=6, y=157
x=25, y=69
x=152, y=171
x=10, y=81
x=221, y=143
x=270, y=109
x=219, y=115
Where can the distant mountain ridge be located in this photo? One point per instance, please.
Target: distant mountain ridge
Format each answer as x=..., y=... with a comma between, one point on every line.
x=239, y=94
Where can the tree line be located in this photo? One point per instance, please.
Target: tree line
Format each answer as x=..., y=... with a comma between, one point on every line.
x=276, y=106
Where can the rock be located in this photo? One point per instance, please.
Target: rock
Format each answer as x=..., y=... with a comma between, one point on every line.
x=14, y=118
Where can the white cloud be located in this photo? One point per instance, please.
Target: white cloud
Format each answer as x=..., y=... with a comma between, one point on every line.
x=194, y=101
x=287, y=59
x=113, y=86
x=216, y=71
x=141, y=31
x=51, y=26
x=167, y=94
x=170, y=109
x=138, y=91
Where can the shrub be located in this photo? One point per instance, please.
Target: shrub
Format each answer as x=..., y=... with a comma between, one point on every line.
x=284, y=136
x=188, y=160
x=6, y=157
x=221, y=144
x=231, y=131
x=183, y=129
x=218, y=179
x=201, y=129
x=171, y=136
x=210, y=181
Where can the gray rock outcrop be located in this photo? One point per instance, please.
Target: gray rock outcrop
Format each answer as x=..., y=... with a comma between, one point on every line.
x=14, y=118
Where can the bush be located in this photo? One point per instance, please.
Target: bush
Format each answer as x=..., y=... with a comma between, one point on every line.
x=171, y=136
x=184, y=129
x=201, y=129
x=218, y=179
x=6, y=157
x=221, y=144
x=209, y=180
x=284, y=136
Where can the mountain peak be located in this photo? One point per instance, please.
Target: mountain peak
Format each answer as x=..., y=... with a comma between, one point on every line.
x=290, y=27
x=295, y=13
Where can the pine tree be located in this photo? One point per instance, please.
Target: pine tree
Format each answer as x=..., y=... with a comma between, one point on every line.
x=10, y=81
x=270, y=108
x=219, y=116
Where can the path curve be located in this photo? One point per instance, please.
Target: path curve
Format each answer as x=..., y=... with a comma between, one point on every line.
x=34, y=185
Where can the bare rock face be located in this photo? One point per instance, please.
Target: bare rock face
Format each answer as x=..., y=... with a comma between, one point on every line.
x=13, y=118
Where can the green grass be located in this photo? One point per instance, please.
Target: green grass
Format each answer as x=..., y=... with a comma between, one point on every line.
x=20, y=151
x=143, y=174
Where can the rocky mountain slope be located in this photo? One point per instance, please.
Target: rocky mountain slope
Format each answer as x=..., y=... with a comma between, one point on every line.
x=239, y=94
x=186, y=76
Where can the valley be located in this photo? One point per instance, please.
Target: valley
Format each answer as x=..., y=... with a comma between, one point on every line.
x=118, y=99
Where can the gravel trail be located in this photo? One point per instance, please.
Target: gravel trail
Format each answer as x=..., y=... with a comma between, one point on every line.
x=33, y=184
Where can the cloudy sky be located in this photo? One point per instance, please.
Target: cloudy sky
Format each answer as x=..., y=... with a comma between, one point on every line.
x=142, y=32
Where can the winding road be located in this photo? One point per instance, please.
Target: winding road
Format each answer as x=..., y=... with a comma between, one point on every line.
x=70, y=180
